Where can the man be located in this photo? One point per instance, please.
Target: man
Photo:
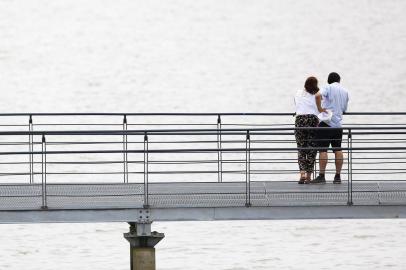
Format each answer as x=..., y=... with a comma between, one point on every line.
x=334, y=98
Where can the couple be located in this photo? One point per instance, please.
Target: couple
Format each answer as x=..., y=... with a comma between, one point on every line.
x=330, y=101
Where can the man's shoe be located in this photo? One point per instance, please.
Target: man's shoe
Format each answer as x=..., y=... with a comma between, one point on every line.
x=337, y=179
x=319, y=180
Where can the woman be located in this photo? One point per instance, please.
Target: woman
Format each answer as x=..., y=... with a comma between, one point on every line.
x=308, y=106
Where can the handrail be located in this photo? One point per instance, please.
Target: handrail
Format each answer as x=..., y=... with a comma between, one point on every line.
x=189, y=131
x=187, y=114
x=199, y=150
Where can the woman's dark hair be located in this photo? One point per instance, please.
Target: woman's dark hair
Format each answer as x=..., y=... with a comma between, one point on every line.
x=333, y=77
x=311, y=85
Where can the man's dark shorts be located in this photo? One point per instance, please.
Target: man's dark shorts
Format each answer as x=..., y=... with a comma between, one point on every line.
x=329, y=136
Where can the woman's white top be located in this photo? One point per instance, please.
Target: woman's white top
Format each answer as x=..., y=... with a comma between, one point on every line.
x=305, y=103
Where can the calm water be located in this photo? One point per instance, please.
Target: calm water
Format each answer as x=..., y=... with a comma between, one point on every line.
x=202, y=55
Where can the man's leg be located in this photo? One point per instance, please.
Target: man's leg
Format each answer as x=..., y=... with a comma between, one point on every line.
x=338, y=135
x=323, y=163
x=323, y=160
x=322, y=141
x=339, y=161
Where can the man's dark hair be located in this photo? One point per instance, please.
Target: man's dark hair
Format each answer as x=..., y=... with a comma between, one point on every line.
x=333, y=77
x=311, y=85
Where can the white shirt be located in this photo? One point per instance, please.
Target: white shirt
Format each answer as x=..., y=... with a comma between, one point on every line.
x=335, y=98
x=305, y=103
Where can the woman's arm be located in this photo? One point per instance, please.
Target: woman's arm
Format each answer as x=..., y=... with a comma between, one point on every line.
x=318, y=102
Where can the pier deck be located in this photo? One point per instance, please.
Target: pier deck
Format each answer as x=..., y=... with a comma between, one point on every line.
x=200, y=201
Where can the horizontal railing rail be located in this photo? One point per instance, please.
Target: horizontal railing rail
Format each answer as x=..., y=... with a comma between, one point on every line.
x=229, y=131
x=187, y=114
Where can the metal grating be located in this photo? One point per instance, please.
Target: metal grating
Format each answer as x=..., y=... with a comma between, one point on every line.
x=172, y=195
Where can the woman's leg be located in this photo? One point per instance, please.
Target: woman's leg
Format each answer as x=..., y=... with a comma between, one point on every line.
x=312, y=153
x=300, y=141
x=310, y=156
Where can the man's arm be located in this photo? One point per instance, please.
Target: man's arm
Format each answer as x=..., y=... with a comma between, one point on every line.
x=346, y=103
x=324, y=91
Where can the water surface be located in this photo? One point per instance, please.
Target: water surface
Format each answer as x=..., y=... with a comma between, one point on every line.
x=201, y=56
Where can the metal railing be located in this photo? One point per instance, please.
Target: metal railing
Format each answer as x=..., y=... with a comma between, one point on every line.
x=243, y=151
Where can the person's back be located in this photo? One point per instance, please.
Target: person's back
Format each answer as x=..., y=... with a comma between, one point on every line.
x=305, y=103
x=335, y=98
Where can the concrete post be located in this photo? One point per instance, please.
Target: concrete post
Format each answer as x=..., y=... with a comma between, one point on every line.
x=142, y=242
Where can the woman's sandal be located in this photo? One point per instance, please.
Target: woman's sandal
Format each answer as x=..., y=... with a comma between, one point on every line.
x=302, y=181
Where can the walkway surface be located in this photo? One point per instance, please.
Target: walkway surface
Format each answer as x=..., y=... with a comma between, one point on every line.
x=190, y=201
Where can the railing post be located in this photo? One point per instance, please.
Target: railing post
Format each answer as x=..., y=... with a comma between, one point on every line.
x=219, y=152
x=31, y=149
x=315, y=163
x=146, y=202
x=44, y=172
x=247, y=170
x=349, y=164
x=125, y=148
